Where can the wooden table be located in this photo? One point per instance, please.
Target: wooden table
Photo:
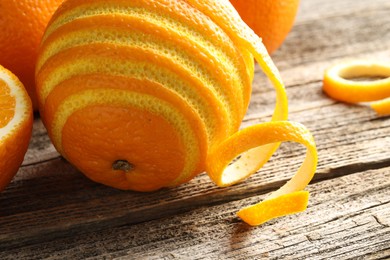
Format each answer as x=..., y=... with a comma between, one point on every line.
x=50, y=210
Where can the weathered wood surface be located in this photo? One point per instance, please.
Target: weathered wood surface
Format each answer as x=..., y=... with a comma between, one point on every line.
x=50, y=210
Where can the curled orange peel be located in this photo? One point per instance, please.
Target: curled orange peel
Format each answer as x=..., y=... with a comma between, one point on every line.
x=339, y=83
x=244, y=144
x=256, y=144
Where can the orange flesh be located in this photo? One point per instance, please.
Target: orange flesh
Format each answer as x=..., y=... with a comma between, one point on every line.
x=7, y=104
x=16, y=120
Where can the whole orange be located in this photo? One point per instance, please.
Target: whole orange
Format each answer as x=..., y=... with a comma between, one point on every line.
x=22, y=23
x=272, y=20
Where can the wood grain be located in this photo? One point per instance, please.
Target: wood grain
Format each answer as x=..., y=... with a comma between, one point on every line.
x=50, y=210
x=347, y=217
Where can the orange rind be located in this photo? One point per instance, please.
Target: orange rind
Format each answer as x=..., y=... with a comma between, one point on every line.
x=360, y=81
x=224, y=169
x=280, y=206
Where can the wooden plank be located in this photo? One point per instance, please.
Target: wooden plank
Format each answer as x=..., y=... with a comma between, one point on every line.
x=51, y=210
x=347, y=217
x=310, y=10
x=326, y=29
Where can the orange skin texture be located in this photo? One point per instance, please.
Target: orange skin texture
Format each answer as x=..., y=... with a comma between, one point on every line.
x=130, y=131
x=129, y=134
x=127, y=54
x=272, y=20
x=103, y=54
x=22, y=25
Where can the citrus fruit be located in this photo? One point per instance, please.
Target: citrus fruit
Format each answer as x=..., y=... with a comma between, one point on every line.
x=360, y=81
x=272, y=20
x=143, y=95
x=22, y=25
x=16, y=119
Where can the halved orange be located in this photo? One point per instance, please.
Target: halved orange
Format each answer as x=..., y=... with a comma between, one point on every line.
x=16, y=120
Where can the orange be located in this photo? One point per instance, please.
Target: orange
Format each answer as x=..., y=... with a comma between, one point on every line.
x=140, y=94
x=16, y=119
x=22, y=25
x=272, y=20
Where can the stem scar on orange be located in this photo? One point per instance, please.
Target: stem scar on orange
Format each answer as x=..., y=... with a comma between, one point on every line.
x=22, y=25
x=272, y=20
x=16, y=120
x=141, y=94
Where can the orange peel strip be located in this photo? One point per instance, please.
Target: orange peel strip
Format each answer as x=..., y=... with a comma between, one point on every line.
x=224, y=14
x=338, y=83
x=277, y=207
x=221, y=170
x=381, y=107
x=257, y=143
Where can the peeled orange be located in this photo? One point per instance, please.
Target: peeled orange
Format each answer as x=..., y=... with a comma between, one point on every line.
x=143, y=94
x=16, y=119
x=272, y=20
x=22, y=23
